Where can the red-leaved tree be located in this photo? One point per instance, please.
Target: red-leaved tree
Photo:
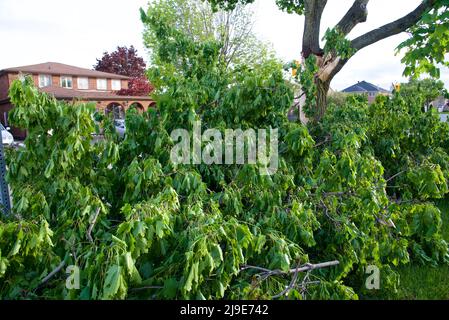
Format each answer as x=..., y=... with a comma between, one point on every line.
x=126, y=62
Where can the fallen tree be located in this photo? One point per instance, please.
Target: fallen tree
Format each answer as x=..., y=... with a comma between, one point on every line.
x=358, y=189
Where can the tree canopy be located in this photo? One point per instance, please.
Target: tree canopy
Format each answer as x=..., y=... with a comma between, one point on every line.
x=126, y=62
x=233, y=29
x=123, y=61
x=429, y=89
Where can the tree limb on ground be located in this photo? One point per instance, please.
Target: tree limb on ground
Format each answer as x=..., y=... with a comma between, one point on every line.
x=308, y=267
x=304, y=268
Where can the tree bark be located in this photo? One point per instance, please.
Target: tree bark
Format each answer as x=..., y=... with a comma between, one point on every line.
x=321, y=98
x=311, y=38
x=394, y=27
x=358, y=13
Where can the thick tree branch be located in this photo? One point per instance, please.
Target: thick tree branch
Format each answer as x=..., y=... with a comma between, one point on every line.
x=394, y=27
x=311, y=39
x=305, y=268
x=358, y=13
x=334, y=65
x=308, y=267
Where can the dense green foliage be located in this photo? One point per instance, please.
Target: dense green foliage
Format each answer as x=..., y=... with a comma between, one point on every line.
x=337, y=43
x=421, y=282
x=356, y=188
x=426, y=49
x=196, y=19
x=427, y=89
x=290, y=6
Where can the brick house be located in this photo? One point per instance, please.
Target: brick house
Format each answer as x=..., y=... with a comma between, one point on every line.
x=72, y=84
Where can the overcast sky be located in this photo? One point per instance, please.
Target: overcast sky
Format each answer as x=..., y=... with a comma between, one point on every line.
x=78, y=32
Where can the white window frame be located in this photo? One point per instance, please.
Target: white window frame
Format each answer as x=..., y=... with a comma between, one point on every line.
x=66, y=78
x=99, y=80
x=42, y=83
x=116, y=84
x=86, y=87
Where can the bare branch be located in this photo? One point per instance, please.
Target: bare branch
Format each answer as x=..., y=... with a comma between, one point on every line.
x=304, y=284
x=393, y=28
x=290, y=286
x=247, y=267
x=266, y=273
x=326, y=213
x=147, y=288
x=358, y=13
x=52, y=274
x=305, y=268
x=309, y=267
x=326, y=140
x=395, y=176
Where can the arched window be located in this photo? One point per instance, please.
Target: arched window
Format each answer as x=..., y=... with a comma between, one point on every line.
x=137, y=105
x=115, y=110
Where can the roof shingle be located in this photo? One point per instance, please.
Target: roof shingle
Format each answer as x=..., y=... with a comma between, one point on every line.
x=55, y=68
x=364, y=86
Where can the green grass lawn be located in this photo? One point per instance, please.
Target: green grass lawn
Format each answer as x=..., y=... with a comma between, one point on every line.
x=424, y=282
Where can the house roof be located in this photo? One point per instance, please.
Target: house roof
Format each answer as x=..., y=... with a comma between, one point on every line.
x=63, y=69
x=63, y=93
x=363, y=86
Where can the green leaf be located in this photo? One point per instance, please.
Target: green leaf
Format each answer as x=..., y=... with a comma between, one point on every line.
x=170, y=288
x=112, y=282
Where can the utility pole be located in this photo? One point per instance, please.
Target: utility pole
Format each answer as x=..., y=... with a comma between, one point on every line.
x=4, y=192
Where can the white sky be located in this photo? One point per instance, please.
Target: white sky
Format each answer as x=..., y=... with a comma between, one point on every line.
x=78, y=32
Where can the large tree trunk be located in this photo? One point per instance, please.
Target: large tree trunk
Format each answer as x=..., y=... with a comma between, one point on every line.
x=312, y=23
x=321, y=98
x=328, y=67
x=323, y=80
x=319, y=109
